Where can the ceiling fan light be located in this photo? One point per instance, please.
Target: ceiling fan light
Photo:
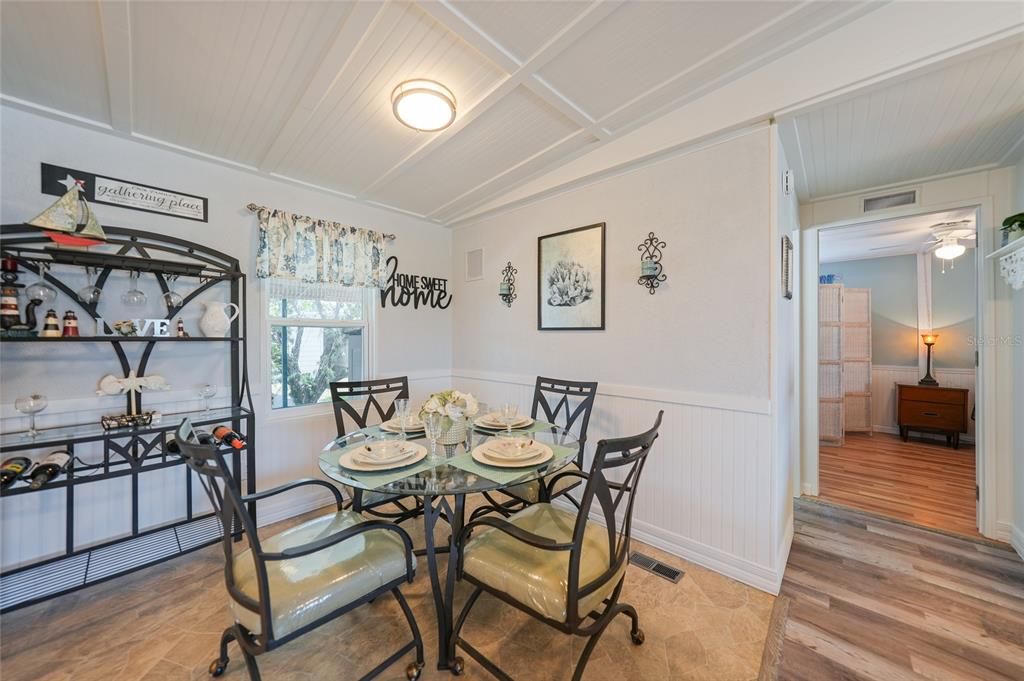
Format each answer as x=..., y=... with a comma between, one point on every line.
x=950, y=249
x=423, y=105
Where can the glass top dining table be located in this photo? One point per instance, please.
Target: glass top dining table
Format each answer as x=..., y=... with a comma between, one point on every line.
x=456, y=472
x=453, y=476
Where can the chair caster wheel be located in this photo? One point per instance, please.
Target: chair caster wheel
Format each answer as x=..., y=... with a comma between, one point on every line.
x=458, y=666
x=412, y=672
x=217, y=667
x=638, y=637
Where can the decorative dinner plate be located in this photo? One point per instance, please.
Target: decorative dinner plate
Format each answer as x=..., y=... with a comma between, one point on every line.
x=492, y=422
x=351, y=460
x=480, y=455
x=393, y=426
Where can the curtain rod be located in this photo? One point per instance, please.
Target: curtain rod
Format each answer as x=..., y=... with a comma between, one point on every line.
x=253, y=207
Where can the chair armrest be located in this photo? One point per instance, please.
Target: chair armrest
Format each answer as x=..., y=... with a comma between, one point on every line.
x=515, y=532
x=338, y=537
x=564, y=474
x=338, y=499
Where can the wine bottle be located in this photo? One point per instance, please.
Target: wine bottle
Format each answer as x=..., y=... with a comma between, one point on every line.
x=49, y=468
x=229, y=437
x=12, y=470
x=202, y=437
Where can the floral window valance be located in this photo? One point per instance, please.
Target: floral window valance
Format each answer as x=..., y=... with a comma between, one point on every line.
x=303, y=249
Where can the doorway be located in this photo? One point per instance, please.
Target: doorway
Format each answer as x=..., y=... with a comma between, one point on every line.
x=897, y=367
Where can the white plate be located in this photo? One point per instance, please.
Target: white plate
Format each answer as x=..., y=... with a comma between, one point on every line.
x=496, y=449
x=486, y=422
x=480, y=456
x=393, y=426
x=377, y=453
x=347, y=460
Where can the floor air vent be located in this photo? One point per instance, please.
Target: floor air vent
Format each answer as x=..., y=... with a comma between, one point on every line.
x=656, y=566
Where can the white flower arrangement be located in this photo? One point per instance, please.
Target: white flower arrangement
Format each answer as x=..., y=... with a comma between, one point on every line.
x=447, y=402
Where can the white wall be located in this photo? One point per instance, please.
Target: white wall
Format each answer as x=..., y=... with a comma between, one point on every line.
x=1017, y=531
x=785, y=365
x=414, y=342
x=698, y=348
x=992, y=192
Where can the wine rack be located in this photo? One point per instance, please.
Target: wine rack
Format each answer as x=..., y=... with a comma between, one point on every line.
x=135, y=451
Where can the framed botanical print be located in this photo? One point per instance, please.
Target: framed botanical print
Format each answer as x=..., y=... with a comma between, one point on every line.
x=570, y=286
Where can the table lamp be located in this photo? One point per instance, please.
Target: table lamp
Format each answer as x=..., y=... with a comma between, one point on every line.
x=929, y=340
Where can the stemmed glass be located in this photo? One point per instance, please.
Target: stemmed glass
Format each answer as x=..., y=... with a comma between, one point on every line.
x=402, y=413
x=206, y=392
x=432, y=425
x=172, y=298
x=31, y=405
x=509, y=412
x=40, y=290
x=133, y=296
x=90, y=293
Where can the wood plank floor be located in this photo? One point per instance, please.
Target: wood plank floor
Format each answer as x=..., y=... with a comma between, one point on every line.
x=873, y=599
x=919, y=481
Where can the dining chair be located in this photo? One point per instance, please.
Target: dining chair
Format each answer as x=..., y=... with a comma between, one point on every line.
x=286, y=585
x=378, y=398
x=567, y=404
x=557, y=564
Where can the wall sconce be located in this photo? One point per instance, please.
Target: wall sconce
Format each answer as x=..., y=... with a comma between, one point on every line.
x=507, y=287
x=651, y=274
x=929, y=340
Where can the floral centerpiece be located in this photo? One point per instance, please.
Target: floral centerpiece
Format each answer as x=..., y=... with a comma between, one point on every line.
x=455, y=407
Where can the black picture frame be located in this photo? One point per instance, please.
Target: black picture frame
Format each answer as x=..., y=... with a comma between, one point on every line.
x=599, y=228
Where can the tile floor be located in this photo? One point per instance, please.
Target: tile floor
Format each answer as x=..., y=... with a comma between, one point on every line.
x=164, y=624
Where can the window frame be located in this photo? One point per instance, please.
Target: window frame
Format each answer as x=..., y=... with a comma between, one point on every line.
x=368, y=324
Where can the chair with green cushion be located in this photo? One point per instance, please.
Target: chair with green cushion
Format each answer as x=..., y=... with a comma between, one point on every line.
x=284, y=586
x=556, y=563
x=378, y=398
x=567, y=404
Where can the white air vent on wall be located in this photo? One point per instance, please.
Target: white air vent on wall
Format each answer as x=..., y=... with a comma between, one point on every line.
x=906, y=198
x=475, y=264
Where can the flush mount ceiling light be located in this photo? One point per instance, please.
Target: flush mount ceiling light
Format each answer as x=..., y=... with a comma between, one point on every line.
x=950, y=248
x=423, y=105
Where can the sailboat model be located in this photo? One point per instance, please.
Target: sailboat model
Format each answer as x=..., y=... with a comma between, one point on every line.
x=69, y=221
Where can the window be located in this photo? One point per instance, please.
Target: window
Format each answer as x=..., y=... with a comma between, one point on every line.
x=317, y=335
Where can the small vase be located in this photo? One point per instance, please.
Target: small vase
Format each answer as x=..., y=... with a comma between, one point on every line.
x=454, y=432
x=216, y=322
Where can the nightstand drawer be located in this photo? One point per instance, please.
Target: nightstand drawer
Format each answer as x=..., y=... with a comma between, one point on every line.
x=932, y=415
x=915, y=394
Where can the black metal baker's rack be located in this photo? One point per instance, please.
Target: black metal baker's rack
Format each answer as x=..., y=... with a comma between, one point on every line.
x=134, y=451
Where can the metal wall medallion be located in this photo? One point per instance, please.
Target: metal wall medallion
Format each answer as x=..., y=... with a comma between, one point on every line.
x=507, y=288
x=651, y=270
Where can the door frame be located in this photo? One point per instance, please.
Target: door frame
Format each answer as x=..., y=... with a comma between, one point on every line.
x=987, y=404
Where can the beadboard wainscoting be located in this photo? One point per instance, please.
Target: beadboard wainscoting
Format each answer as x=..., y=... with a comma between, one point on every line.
x=704, y=490
x=883, y=394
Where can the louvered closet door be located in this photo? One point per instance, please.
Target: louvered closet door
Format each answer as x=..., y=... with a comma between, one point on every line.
x=830, y=366
x=856, y=325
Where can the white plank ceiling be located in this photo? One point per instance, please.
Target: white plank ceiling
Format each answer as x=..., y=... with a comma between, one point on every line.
x=967, y=113
x=301, y=89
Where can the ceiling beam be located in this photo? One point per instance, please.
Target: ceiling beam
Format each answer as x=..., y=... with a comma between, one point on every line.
x=520, y=73
x=350, y=37
x=115, y=27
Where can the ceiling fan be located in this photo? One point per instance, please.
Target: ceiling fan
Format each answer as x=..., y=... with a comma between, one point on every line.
x=945, y=239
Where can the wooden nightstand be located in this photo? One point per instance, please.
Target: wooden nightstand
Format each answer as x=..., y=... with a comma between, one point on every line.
x=932, y=409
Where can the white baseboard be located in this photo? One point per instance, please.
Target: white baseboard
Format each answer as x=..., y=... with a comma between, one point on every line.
x=809, y=490
x=894, y=430
x=1003, y=532
x=1017, y=540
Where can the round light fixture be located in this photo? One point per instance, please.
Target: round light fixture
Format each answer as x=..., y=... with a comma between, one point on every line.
x=950, y=248
x=423, y=105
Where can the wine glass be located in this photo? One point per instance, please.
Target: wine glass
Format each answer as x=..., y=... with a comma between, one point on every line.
x=172, y=298
x=402, y=413
x=509, y=412
x=90, y=293
x=31, y=405
x=133, y=297
x=432, y=425
x=41, y=290
x=206, y=392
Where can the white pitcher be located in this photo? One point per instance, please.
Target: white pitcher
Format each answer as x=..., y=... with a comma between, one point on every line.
x=216, y=322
